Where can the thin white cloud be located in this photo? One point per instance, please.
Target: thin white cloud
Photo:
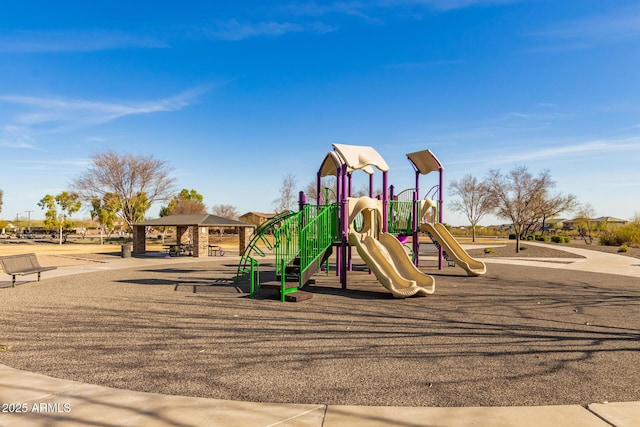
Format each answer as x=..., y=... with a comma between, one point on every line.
x=13, y=136
x=42, y=110
x=39, y=116
x=73, y=40
x=598, y=147
x=235, y=30
x=366, y=9
x=610, y=27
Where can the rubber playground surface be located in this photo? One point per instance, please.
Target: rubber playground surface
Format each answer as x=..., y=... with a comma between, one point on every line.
x=517, y=336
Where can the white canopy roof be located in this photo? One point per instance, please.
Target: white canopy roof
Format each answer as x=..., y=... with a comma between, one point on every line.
x=359, y=157
x=425, y=161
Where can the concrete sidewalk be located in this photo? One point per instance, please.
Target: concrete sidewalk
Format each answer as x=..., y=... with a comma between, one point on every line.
x=28, y=399
x=593, y=261
x=32, y=400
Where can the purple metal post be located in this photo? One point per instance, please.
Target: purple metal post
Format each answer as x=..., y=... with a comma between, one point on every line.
x=345, y=227
x=416, y=220
x=302, y=200
x=385, y=202
x=440, y=201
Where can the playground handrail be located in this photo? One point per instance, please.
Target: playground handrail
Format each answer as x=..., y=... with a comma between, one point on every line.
x=317, y=235
x=287, y=241
x=259, y=235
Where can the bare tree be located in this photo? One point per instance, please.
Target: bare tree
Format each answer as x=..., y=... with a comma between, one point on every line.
x=1, y=194
x=550, y=207
x=520, y=198
x=327, y=188
x=225, y=211
x=137, y=181
x=475, y=200
x=288, y=197
x=584, y=221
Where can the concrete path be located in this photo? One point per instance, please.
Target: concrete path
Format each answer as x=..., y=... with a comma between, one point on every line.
x=593, y=261
x=28, y=399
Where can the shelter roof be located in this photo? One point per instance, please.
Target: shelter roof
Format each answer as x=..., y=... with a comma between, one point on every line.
x=203, y=220
x=360, y=156
x=331, y=163
x=425, y=161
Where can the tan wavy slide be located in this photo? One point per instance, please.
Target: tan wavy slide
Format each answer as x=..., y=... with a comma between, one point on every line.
x=392, y=266
x=454, y=250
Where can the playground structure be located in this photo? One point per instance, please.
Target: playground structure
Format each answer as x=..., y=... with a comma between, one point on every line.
x=377, y=227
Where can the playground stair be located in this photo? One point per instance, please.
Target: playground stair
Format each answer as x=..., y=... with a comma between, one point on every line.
x=259, y=236
x=302, y=244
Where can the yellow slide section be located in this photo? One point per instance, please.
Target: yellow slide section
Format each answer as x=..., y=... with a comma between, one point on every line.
x=392, y=266
x=454, y=250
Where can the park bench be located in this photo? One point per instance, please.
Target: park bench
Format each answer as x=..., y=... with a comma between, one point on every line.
x=22, y=265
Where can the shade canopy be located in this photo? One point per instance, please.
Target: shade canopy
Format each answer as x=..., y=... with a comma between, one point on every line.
x=425, y=161
x=358, y=157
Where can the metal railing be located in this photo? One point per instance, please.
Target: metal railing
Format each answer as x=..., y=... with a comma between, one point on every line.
x=319, y=232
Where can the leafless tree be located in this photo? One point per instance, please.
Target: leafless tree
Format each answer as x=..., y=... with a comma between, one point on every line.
x=1, y=194
x=550, y=207
x=521, y=198
x=584, y=221
x=327, y=187
x=225, y=211
x=474, y=200
x=288, y=197
x=137, y=181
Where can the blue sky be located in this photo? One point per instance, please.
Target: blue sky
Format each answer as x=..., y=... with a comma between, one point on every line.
x=235, y=95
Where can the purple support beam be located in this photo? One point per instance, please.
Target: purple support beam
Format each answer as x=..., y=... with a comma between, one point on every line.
x=416, y=220
x=344, y=230
x=440, y=201
x=302, y=200
x=385, y=202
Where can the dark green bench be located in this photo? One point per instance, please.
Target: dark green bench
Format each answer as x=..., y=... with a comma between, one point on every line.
x=21, y=265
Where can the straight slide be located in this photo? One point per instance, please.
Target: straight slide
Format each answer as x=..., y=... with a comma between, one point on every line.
x=392, y=266
x=451, y=246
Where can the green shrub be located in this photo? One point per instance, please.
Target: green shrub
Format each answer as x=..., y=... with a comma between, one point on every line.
x=623, y=248
x=542, y=238
x=489, y=251
x=610, y=238
x=557, y=239
x=523, y=248
x=512, y=236
x=566, y=239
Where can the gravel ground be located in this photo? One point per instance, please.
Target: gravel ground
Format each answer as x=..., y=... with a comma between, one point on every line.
x=516, y=336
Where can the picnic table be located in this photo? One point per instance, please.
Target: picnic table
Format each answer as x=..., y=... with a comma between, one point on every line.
x=215, y=250
x=181, y=249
